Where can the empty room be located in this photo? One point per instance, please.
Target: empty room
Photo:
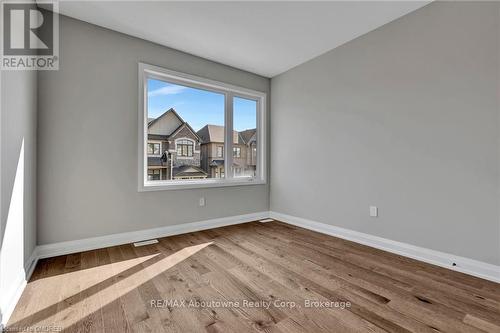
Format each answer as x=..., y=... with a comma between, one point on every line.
x=249, y=166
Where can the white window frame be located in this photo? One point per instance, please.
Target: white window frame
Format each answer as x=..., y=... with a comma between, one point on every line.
x=229, y=91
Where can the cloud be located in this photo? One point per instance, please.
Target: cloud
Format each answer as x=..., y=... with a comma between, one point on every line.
x=168, y=90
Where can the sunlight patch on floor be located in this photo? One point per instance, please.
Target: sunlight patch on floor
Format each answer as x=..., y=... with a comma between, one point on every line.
x=92, y=289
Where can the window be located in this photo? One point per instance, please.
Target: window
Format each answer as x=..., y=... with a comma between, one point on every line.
x=237, y=152
x=245, y=113
x=153, y=149
x=220, y=151
x=154, y=174
x=194, y=121
x=185, y=148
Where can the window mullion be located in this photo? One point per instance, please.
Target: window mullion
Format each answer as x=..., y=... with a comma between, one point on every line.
x=228, y=135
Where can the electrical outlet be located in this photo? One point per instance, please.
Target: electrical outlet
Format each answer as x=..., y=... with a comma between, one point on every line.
x=202, y=201
x=373, y=211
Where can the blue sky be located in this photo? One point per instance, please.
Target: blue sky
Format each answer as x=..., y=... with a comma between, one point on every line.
x=198, y=107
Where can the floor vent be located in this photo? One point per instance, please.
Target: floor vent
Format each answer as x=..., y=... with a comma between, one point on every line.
x=266, y=220
x=146, y=242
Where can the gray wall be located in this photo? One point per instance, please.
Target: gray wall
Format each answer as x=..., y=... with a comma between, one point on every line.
x=404, y=118
x=87, y=140
x=17, y=178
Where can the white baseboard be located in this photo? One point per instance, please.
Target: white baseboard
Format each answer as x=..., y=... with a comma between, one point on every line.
x=465, y=265
x=62, y=248
x=13, y=293
x=30, y=265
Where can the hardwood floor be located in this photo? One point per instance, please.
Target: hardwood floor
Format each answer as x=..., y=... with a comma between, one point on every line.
x=128, y=289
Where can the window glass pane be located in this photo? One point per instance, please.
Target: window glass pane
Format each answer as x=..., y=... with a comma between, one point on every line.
x=153, y=149
x=190, y=124
x=220, y=151
x=153, y=174
x=237, y=152
x=244, y=137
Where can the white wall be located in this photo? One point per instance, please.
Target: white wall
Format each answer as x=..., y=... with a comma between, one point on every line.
x=406, y=118
x=87, y=157
x=17, y=181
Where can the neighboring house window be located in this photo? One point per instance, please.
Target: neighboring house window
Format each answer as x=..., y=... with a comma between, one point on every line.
x=219, y=173
x=188, y=135
x=185, y=148
x=220, y=151
x=153, y=149
x=237, y=152
x=154, y=174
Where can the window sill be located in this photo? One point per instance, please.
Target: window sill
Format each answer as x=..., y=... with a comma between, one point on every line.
x=194, y=184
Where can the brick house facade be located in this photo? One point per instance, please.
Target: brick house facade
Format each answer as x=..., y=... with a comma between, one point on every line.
x=173, y=149
x=212, y=151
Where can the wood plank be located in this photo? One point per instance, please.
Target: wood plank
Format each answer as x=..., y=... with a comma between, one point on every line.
x=113, y=289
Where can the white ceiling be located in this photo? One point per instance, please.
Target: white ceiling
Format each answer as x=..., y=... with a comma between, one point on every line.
x=266, y=38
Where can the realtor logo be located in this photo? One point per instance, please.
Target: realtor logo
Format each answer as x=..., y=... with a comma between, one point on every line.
x=30, y=35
